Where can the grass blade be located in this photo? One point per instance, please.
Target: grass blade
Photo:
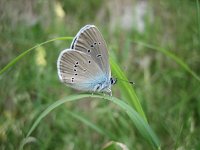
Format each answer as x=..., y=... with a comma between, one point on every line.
x=139, y=122
x=89, y=124
x=16, y=59
x=127, y=90
x=198, y=17
x=172, y=56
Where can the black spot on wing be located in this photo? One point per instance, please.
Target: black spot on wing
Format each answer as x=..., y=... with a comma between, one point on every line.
x=99, y=55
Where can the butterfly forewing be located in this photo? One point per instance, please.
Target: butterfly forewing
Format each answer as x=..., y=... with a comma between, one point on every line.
x=90, y=41
x=78, y=70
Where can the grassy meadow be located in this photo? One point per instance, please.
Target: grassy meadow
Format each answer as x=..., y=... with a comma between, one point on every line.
x=155, y=44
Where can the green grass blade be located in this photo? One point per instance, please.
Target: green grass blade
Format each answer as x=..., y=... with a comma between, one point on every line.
x=26, y=141
x=50, y=108
x=16, y=59
x=139, y=122
x=172, y=56
x=127, y=89
x=198, y=17
x=89, y=124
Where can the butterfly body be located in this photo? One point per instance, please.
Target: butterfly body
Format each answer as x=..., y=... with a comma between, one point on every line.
x=85, y=65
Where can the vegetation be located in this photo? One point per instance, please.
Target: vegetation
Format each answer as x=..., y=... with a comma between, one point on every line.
x=161, y=55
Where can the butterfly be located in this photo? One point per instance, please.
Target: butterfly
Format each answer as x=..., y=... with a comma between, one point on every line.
x=85, y=65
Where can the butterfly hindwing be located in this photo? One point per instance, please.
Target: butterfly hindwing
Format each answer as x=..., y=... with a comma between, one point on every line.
x=79, y=70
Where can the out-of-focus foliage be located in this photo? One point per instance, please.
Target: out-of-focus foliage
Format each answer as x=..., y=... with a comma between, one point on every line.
x=168, y=93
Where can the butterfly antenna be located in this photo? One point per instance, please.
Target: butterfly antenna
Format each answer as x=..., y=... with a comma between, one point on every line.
x=130, y=82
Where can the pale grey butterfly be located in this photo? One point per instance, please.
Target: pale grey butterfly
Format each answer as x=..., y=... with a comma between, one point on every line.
x=85, y=65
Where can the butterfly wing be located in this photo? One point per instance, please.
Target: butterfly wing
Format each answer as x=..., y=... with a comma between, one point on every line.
x=90, y=41
x=79, y=70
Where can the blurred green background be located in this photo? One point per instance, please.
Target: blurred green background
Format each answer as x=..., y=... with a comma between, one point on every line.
x=170, y=95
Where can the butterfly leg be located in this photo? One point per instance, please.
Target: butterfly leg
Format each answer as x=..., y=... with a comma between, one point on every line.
x=109, y=92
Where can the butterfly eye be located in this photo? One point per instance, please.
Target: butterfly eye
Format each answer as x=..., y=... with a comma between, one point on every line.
x=91, y=45
x=88, y=50
x=89, y=61
x=99, y=43
x=72, y=79
x=75, y=74
x=75, y=65
x=77, y=62
x=95, y=43
x=75, y=70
